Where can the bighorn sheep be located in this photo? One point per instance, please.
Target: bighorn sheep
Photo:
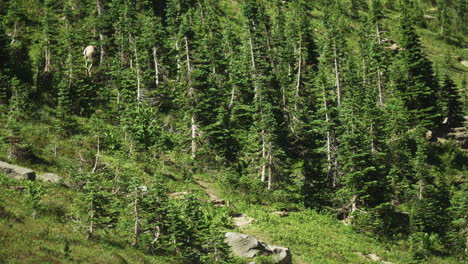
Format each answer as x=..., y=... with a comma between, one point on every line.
x=88, y=54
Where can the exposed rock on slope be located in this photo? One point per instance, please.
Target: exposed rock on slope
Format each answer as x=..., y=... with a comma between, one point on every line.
x=49, y=177
x=247, y=246
x=17, y=172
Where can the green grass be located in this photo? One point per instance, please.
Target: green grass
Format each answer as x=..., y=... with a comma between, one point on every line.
x=317, y=238
x=42, y=239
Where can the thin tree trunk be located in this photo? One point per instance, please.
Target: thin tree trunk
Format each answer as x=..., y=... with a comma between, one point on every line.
x=156, y=233
x=297, y=89
x=101, y=49
x=263, y=170
x=179, y=66
x=55, y=146
x=81, y=159
x=378, y=33
x=99, y=9
x=156, y=66
x=337, y=75
x=47, y=67
x=91, y=223
x=380, y=86
x=136, y=227
x=379, y=73
x=137, y=68
x=252, y=58
x=15, y=32
x=299, y=76
x=191, y=93
x=96, y=160
x=421, y=189
x=194, y=137
x=187, y=55
x=233, y=95
x=270, y=170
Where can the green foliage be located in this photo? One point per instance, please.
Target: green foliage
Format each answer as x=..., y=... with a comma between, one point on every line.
x=34, y=194
x=297, y=104
x=423, y=244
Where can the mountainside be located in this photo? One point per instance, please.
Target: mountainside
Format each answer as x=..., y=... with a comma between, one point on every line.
x=337, y=129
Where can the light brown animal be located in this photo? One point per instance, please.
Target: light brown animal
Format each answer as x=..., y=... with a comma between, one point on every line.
x=88, y=54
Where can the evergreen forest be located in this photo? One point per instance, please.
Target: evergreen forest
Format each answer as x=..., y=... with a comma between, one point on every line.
x=336, y=128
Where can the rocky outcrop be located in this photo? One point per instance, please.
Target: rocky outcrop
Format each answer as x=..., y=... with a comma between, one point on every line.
x=49, y=177
x=247, y=246
x=17, y=172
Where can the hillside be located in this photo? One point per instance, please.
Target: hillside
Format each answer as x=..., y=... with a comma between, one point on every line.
x=337, y=129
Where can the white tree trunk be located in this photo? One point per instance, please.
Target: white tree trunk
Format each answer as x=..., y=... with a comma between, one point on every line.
x=96, y=159
x=15, y=32
x=191, y=93
x=137, y=70
x=101, y=49
x=99, y=9
x=252, y=59
x=179, y=65
x=194, y=137
x=337, y=75
x=156, y=66
x=380, y=86
x=136, y=226
x=270, y=169
x=263, y=169
x=233, y=96
x=299, y=76
x=47, y=67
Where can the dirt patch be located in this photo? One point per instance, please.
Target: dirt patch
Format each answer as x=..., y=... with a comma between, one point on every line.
x=208, y=190
x=242, y=221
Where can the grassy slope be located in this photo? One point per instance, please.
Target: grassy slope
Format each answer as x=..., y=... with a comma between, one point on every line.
x=313, y=237
x=24, y=239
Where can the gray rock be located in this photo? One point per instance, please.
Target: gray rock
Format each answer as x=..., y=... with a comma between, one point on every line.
x=17, y=172
x=281, y=255
x=242, y=245
x=49, y=177
x=247, y=246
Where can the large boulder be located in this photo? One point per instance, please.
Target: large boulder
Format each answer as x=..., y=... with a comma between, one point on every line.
x=17, y=172
x=247, y=246
x=49, y=177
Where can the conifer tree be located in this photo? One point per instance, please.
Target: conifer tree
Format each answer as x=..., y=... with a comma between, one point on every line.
x=265, y=95
x=452, y=108
x=100, y=204
x=414, y=78
x=429, y=212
